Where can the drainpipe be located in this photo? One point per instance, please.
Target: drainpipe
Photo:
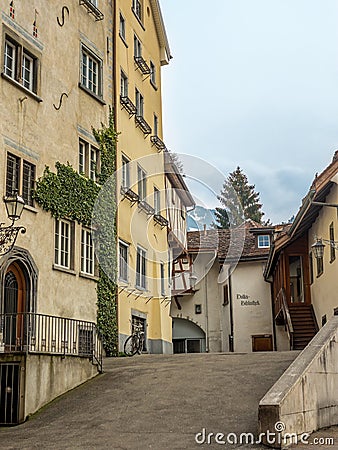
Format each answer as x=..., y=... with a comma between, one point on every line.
x=231, y=335
x=206, y=312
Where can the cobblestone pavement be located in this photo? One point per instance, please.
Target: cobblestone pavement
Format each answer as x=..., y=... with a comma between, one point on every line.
x=156, y=402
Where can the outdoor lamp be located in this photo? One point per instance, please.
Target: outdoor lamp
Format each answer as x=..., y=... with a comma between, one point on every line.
x=318, y=248
x=14, y=205
x=193, y=280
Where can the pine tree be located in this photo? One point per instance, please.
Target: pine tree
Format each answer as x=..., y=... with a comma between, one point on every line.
x=239, y=201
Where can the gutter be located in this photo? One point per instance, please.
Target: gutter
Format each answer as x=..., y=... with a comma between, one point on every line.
x=303, y=210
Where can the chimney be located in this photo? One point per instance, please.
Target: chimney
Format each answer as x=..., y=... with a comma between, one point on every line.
x=205, y=229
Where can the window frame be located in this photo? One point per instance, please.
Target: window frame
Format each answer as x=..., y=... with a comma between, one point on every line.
x=137, y=8
x=19, y=182
x=141, y=268
x=152, y=73
x=122, y=27
x=87, y=252
x=85, y=160
x=155, y=127
x=332, y=239
x=157, y=200
x=141, y=182
x=123, y=271
x=125, y=172
x=139, y=103
x=124, y=84
x=21, y=51
x=263, y=237
x=69, y=250
x=85, y=82
x=162, y=279
x=137, y=47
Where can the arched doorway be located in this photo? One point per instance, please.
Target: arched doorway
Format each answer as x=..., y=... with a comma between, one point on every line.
x=15, y=293
x=187, y=336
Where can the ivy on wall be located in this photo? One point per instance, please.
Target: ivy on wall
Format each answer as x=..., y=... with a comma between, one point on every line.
x=69, y=195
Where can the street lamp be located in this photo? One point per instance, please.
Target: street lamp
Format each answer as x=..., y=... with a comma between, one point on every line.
x=318, y=247
x=14, y=206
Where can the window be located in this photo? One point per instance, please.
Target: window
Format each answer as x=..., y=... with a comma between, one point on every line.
x=122, y=29
x=86, y=342
x=13, y=174
x=141, y=268
x=91, y=72
x=20, y=177
x=152, y=73
x=198, y=309
x=63, y=235
x=89, y=160
x=155, y=129
x=123, y=261
x=157, y=201
x=320, y=266
x=124, y=85
x=20, y=64
x=87, y=252
x=141, y=183
x=332, y=249
x=311, y=267
x=263, y=241
x=162, y=280
x=125, y=172
x=28, y=183
x=137, y=8
x=137, y=47
x=139, y=103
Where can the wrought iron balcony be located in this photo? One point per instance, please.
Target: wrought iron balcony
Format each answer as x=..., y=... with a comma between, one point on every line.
x=142, y=65
x=129, y=194
x=128, y=105
x=40, y=333
x=160, y=145
x=149, y=210
x=143, y=125
x=92, y=9
x=162, y=221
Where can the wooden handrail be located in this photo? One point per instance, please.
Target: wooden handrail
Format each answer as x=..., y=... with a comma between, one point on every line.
x=282, y=305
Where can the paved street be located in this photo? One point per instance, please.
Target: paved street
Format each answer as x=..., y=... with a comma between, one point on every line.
x=155, y=402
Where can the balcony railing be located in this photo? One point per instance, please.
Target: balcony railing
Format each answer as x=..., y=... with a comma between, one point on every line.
x=92, y=9
x=142, y=124
x=142, y=65
x=162, y=221
x=129, y=194
x=40, y=333
x=160, y=145
x=128, y=105
x=148, y=209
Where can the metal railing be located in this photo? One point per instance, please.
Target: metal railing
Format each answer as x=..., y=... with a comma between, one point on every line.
x=281, y=306
x=40, y=333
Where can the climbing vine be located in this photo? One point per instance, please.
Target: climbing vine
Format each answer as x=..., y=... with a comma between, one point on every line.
x=67, y=194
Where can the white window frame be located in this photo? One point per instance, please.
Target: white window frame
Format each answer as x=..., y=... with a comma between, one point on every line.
x=91, y=71
x=141, y=182
x=137, y=9
x=157, y=200
x=87, y=252
x=125, y=172
x=137, y=47
x=139, y=103
x=152, y=73
x=63, y=244
x=122, y=27
x=89, y=159
x=124, y=84
x=263, y=241
x=141, y=268
x=21, y=65
x=123, y=262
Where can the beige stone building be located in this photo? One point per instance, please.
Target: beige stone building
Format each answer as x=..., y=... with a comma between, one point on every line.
x=62, y=67
x=227, y=306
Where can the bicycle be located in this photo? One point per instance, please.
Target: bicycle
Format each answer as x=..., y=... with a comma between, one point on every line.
x=134, y=343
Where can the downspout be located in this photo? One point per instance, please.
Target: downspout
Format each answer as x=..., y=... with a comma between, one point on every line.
x=231, y=335
x=206, y=313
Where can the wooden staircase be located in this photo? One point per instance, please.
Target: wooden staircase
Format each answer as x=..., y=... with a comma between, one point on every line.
x=304, y=325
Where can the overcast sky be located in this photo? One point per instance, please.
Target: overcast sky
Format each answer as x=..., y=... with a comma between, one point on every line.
x=254, y=83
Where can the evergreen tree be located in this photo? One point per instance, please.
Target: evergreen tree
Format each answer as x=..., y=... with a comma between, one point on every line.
x=239, y=201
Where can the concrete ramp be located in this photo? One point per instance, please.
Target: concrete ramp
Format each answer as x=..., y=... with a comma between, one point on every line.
x=305, y=398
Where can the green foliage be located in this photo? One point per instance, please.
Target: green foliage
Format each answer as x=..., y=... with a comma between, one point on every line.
x=69, y=195
x=239, y=201
x=66, y=194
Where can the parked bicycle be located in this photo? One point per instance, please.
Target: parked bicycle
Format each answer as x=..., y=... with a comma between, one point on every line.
x=134, y=343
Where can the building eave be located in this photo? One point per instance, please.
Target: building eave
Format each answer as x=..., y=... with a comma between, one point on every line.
x=161, y=32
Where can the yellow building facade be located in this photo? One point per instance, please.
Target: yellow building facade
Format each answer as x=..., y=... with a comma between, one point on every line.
x=141, y=49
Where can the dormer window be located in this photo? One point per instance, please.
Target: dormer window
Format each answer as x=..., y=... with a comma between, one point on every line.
x=263, y=241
